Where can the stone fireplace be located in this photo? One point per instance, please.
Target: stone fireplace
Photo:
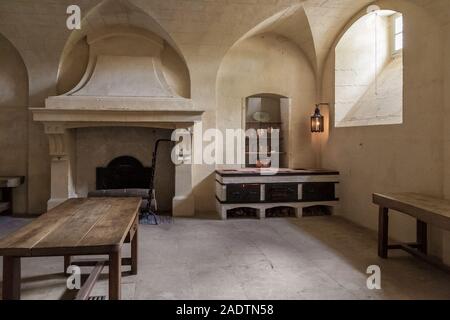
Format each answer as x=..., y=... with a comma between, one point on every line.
x=61, y=128
x=122, y=92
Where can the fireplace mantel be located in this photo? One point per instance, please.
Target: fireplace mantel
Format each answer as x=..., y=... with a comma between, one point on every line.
x=71, y=112
x=73, y=118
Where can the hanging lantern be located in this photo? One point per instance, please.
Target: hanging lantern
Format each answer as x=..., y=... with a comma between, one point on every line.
x=317, y=121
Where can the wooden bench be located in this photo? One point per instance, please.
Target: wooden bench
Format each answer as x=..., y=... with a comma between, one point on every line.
x=426, y=209
x=78, y=227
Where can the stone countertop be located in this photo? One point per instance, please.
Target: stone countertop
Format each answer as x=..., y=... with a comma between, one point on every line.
x=281, y=172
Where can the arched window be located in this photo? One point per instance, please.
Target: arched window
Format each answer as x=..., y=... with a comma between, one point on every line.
x=369, y=71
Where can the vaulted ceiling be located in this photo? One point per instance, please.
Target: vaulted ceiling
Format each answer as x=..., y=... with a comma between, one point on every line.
x=117, y=12
x=199, y=29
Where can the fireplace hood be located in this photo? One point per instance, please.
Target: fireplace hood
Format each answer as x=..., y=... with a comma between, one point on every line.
x=124, y=82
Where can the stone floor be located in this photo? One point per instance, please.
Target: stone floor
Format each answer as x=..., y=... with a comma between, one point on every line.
x=311, y=258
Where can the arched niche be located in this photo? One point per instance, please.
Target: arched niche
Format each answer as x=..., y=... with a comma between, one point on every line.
x=13, y=77
x=124, y=41
x=263, y=113
x=13, y=119
x=269, y=63
x=122, y=18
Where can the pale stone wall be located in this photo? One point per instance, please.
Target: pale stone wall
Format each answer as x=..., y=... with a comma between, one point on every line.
x=269, y=64
x=446, y=119
x=72, y=67
x=406, y=157
x=382, y=103
x=176, y=72
x=13, y=119
x=368, y=79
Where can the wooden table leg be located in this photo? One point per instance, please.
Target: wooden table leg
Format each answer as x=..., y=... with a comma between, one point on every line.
x=11, y=278
x=422, y=236
x=383, y=233
x=67, y=263
x=134, y=253
x=115, y=275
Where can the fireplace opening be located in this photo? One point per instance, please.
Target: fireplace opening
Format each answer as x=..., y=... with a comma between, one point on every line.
x=120, y=158
x=124, y=172
x=124, y=176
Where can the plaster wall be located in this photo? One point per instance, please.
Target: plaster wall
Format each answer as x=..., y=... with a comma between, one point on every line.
x=394, y=158
x=73, y=66
x=382, y=103
x=369, y=79
x=13, y=120
x=269, y=64
x=446, y=143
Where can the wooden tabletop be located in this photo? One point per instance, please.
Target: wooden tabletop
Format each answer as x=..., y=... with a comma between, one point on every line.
x=427, y=208
x=76, y=227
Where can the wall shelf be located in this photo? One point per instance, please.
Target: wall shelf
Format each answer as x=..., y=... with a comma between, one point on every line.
x=276, y=109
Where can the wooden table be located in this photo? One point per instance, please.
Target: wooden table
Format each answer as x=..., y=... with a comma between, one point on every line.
x=6, y=186
x=426, y=209
x=93, y=226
